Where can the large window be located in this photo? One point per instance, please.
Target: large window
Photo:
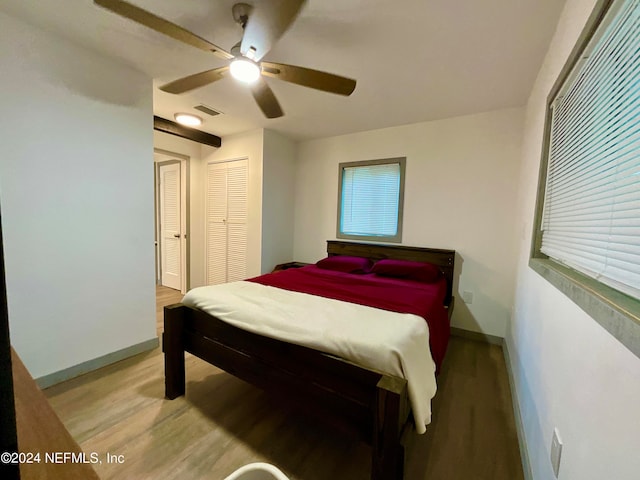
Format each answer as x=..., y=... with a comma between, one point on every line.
x=588, y=222
x=370, y=197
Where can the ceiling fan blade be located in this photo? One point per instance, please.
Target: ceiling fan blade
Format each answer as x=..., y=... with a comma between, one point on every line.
x=307, y=77
x=148, y=19
x=266, y=100
x=266, y=24
x=194, y=81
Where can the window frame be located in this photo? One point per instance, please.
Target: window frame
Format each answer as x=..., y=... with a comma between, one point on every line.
x=402, y=161
x=617, y=312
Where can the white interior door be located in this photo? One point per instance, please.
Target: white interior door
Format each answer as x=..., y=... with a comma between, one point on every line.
x=170, y=223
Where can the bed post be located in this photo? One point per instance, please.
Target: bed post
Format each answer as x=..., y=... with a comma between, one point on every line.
x=173, y=347
x=390, y=414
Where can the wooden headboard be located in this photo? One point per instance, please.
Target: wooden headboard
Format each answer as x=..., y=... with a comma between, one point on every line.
x=444, y=259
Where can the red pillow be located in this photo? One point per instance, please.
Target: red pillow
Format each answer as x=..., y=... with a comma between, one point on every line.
x=345, y=263
x=419, y=271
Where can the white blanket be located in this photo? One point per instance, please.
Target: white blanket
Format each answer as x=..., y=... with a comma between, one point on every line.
x=393, y=343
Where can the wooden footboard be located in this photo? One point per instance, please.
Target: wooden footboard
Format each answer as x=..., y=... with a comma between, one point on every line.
x=373, y=405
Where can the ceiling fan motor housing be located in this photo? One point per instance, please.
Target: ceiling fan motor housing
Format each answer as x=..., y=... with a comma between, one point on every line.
x=241, y=13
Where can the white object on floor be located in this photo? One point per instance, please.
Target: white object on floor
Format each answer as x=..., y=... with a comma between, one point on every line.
x=257, y=471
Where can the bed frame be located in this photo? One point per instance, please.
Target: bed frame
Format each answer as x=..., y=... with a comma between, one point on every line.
x=371, y=404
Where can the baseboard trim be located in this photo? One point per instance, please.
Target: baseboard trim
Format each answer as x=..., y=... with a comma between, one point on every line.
x=477, y=336
x=90, y=365
x=524, y=453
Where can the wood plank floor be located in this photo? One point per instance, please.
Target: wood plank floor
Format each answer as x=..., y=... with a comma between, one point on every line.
x=223, y=423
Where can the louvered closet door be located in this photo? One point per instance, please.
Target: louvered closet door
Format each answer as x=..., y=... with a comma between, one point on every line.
x=226, y=221
x=237, y=220
x=216, y=223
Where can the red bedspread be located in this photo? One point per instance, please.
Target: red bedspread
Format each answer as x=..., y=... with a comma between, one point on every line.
x=393, y=294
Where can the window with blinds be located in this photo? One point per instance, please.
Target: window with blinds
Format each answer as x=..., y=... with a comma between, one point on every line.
x=591, y=212
x=370, y=200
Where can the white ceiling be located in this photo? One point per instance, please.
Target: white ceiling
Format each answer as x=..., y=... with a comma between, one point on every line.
x=414, y=60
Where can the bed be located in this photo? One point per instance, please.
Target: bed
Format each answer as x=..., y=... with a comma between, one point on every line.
x=376, y=406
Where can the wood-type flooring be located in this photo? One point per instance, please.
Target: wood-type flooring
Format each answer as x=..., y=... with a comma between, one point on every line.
x=223, y=423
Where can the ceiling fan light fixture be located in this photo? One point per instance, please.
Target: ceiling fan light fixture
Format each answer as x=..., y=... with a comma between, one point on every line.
x=267, y=25
x=244, y=70
x=188, y=119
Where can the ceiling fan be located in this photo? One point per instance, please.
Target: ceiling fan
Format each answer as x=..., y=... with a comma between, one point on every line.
x=263, y=25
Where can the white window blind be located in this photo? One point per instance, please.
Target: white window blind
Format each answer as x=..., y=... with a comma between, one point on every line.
x=591, y=217
x=370, y=200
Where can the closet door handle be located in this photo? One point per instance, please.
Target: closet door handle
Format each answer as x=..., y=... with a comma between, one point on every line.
x=177, y=235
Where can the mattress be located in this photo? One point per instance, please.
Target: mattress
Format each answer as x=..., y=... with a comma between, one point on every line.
x=388, y=293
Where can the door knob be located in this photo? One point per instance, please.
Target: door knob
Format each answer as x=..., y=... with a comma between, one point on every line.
x=177, y=235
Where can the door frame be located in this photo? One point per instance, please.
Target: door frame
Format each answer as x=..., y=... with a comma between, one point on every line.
x=164, y=157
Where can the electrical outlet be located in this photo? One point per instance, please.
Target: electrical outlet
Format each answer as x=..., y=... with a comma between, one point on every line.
x=556, y=451
x=467, y=296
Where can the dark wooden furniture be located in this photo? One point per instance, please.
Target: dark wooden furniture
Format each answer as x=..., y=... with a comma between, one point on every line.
x=41, y=431
x=288, y=265
x=370, y=404
x=445, y=259
x=8, y=432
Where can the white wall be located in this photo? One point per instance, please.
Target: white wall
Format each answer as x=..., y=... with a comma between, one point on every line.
x=570, y=373
x=244, y=145
x=77, y=200
x=197, y=171
x=278, y=185
x=460, y=193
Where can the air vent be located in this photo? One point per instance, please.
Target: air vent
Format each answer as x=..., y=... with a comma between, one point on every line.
x=207, y=110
